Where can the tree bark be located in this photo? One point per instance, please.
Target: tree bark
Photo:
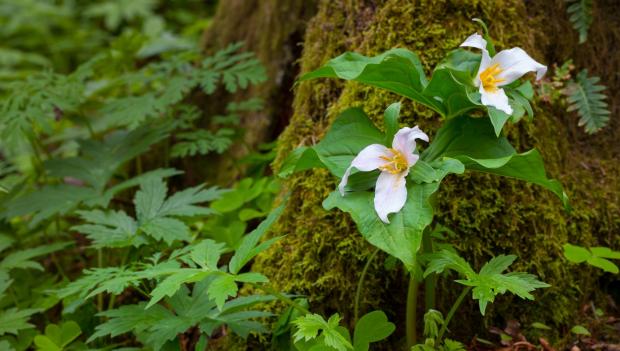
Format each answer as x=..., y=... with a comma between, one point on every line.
x=273, y=30
x=322, y=253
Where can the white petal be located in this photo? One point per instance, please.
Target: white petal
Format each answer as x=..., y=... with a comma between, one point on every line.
x=404, y=140
x=367, y=160
x=390, y=194
x=515, y=63
x=485, y=62
x=475, y=41
x=497, y=99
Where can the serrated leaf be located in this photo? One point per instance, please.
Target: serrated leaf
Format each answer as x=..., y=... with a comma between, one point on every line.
x=221, y=288
x=13, y=320
x=249, y=246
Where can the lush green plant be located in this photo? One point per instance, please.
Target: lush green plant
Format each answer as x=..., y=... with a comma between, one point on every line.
x=594, y=256
x=462, y=87
x=580, y=15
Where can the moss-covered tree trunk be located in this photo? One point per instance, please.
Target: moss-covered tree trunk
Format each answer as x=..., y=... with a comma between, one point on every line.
x=273, y=29
x=322, y=253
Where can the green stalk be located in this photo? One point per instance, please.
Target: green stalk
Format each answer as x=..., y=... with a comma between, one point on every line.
x=430, y=281
x=283, y=298
x=360, y=284
x=412, y=304
x=450, y=314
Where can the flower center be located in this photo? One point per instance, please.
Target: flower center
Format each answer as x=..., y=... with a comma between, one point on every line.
x=395, y=164
x=489, y=79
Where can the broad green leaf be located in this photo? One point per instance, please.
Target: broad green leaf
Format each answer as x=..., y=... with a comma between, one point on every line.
x=498, y=119
x=349, y=134
x=462, y=60
x=474, y=143
x=397, y=70
x=400, y=238
x=57, y=337
x=372, y=327
x=390, y=119
x=467, y=136
x=605, y=252
x=454, y=90
x=300, y=159
x=603, y=264
x=423, y=172
x=580, y=330
x=249, y=246
x=576, y=254
x=541, y=326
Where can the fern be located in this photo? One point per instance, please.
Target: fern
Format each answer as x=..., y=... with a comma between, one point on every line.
x=202, y=142
x=587, y=97
x=580, y=15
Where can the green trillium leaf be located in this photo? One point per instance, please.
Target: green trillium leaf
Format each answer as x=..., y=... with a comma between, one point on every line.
x=400, y=238
x=397, y=70
x=473, y=142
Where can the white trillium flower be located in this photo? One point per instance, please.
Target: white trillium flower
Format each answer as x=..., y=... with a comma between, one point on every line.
x=504, y=68
x=394, y=163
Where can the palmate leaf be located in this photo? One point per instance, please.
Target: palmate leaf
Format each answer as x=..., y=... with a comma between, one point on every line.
x=490, y=281
x=580, y=15
x=587, y=97
x=14, y=320
x=326, y=333
x=23, y=258
x=157, y=325
x=157, y=216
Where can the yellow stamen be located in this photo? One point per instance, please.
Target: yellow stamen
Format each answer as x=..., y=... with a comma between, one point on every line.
x=395, y=164
x=489, y=79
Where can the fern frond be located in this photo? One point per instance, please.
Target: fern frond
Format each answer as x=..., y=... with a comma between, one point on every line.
x=201, y=142
x=586, y=96
x=580, y=15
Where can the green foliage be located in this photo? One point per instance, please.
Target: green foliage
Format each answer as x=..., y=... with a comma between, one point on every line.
x=56, y=338
x=314, y=327
x=594, y=256
x=580, y=15
x=490, y=281
x=587, y=97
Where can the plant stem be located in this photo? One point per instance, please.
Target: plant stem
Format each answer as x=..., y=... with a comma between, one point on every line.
x=412, y=304
x=450, y=314
x=360, y=284
x=431, y=280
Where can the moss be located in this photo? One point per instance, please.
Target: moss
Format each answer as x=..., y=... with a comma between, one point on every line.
x=323, y=254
